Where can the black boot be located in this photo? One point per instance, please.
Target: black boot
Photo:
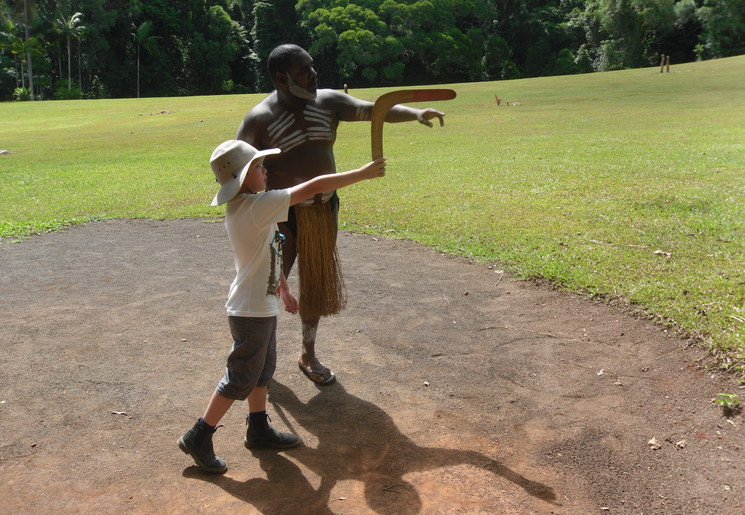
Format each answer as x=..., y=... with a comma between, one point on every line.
x=261, y=434
x=197, y=442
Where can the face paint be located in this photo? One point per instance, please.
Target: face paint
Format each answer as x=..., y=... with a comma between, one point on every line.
x=299, y=92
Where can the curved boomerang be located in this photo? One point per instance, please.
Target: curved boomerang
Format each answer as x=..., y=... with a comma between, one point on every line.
x=385, y=102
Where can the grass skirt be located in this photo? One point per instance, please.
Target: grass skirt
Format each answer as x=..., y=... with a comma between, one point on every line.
x=322, y=290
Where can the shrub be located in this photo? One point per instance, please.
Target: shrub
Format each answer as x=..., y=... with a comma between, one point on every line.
x=65, y=93
x=98, y=89
x=22, y=94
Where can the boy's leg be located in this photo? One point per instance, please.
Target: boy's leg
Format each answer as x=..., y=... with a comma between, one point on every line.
x=216, y=409
x=197, y=441
x=245, y=360
x=259, y=432
x=257, y=399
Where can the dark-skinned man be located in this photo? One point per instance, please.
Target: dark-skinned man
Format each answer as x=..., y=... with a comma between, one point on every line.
x=301, y=119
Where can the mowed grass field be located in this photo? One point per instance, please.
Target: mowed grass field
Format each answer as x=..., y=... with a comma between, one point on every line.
x=628, y=185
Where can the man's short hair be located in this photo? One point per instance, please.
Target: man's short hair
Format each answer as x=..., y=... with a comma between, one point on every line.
x=280, y=58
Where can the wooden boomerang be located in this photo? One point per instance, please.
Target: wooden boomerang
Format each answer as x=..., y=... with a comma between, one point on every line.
x=385, y=102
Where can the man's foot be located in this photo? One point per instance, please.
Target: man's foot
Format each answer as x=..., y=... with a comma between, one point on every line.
x=321, y=375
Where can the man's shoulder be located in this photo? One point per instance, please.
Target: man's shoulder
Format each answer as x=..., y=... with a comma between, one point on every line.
x=347, y=107
x=333, y=96
x=327, y=92
x=265, y=108
x=270, y=108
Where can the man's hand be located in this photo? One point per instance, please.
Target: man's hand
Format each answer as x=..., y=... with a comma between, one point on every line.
x=285, y=294
x=425, y=115
x=387, y=109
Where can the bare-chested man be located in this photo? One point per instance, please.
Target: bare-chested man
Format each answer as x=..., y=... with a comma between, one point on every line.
x=302, y=120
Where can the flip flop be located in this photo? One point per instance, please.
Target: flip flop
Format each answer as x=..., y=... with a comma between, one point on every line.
x=322, y=376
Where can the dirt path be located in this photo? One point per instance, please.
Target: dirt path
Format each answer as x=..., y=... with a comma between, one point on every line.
x=460, y=390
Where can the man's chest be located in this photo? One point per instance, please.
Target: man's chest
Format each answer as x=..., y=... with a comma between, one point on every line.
x=294, y=128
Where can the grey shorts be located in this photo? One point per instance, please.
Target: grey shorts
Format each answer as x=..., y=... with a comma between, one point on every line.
x=252, y=359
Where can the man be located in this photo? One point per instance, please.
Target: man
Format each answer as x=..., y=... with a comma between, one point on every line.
x=301, y=119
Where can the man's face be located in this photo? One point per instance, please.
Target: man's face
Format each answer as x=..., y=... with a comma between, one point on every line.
x=302, y=79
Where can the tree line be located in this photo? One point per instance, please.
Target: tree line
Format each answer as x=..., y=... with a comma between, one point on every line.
x=130, y=48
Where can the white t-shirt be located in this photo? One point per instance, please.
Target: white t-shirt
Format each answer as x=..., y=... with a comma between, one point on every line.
x=251, y=221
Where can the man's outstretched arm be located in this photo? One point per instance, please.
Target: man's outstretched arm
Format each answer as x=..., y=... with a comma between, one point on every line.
x=401, y=113
x=351, y=109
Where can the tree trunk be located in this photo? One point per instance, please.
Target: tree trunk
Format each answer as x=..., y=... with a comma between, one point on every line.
x=28, y=53
x=80, y=69
x=69, y=67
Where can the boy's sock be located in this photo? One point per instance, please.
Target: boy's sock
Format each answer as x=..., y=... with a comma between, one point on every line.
x=261, y=434
x=257, y=417
x=204, y=425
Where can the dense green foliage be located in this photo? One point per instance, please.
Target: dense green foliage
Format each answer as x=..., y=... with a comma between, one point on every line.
x=130, y=48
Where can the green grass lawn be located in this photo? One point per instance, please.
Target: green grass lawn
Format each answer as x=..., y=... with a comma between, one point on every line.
x=627, y=185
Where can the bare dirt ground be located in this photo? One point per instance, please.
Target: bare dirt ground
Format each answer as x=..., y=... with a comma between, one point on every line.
x=460, y=390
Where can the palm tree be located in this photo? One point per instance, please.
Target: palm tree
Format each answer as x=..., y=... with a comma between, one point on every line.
x=28, y=7
x=15, y=45
x=144, y=39
x=22, y=48
x=71, y=28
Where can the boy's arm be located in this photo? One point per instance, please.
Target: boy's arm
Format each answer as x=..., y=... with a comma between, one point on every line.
x=334, y=181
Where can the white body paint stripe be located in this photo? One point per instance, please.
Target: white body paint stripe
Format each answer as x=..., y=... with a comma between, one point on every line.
x=320, y=130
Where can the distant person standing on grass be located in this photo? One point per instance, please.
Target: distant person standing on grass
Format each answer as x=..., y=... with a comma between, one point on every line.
x=302, y=121
x=251, y=220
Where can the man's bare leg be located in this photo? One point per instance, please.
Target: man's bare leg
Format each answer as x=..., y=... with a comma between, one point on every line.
x=309, y=364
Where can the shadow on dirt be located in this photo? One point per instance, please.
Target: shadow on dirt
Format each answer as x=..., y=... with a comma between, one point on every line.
x=357, y=441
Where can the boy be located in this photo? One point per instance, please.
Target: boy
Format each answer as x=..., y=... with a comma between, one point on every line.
x=251, y=221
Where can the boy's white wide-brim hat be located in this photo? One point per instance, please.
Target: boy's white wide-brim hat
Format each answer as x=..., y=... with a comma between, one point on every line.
x=230, y=162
